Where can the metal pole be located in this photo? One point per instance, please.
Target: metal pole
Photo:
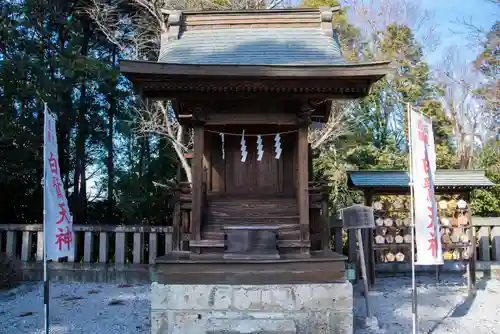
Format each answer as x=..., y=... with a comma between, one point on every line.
x=413, y=281
x=363, y=271
x=45, y=271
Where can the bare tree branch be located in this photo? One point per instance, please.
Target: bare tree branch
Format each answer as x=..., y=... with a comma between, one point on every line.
x=475, y=33
x=158, y=119
x=472, y=122
x=335, y=127
x=373, y=16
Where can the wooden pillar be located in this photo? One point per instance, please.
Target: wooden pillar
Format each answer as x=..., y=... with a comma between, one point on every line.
x=303, y=185
x=471, y=263
x=176, y=224
x=197, y=185
x=326, y=225
x=368, y=245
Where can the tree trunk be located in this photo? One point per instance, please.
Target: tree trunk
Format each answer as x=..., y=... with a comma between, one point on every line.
x=79, y=179
x=64, y=112
x=111, y=113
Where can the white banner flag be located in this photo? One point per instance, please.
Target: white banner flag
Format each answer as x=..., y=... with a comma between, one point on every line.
x=427, y=236
x=57, y=223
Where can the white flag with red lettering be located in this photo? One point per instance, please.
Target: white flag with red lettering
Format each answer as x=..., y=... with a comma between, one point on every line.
x=58, y=222
x=427, y=236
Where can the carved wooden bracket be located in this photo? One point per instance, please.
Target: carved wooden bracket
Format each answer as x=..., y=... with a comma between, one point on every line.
x=199, y=115
x=306, y=110
x=304, y=114
x=192, y=112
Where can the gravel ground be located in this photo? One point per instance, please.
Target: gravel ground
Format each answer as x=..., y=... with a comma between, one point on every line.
x=77, y=308
x=443, y=308
x=102, y=308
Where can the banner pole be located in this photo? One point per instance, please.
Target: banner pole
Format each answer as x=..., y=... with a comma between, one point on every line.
x=412, y=209
x=46, y=284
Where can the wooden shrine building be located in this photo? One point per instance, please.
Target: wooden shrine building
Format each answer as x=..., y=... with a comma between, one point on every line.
x=249, y=84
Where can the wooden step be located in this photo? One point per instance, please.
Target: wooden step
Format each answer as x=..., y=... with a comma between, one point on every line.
x=213, y=235
x=236, y=256
x=283, y=234
x=254, y=204
x=216, y=229
x=252, y=199
x=263, y=220
x=251, y=227
x=249, y=196
x=294, y=244
x=251, y=213
x=289, y=234
x=207, y=243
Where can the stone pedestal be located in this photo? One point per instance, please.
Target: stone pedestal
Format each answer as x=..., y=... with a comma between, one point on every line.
x=319, y=308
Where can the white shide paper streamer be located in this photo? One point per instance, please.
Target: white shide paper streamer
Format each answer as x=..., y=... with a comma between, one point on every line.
x=260, y=150
x=277, y=146
x=244, y=152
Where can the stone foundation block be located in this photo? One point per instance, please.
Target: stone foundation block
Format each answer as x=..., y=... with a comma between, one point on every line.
x=251, y=309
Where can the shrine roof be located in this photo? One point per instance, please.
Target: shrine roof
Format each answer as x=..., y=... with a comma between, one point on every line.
x=264, y=46
x=251, y=53
x=303, y=36
x=445, y=178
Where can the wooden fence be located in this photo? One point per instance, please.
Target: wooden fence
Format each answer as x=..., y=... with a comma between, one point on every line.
x=142, y=244
x=94, y=243
x=487, y=254
x=488, y=236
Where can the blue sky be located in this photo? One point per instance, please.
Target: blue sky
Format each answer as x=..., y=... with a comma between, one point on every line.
x=479, y=12
x=444, y=16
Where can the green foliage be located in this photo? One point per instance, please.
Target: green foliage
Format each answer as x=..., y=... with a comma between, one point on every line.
x=56, y=55
x=412, y=77
x=330, y=167
x=443, y=134
x=346, y=32
x=370, y=157
x=486, y=202
x=488, y=63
